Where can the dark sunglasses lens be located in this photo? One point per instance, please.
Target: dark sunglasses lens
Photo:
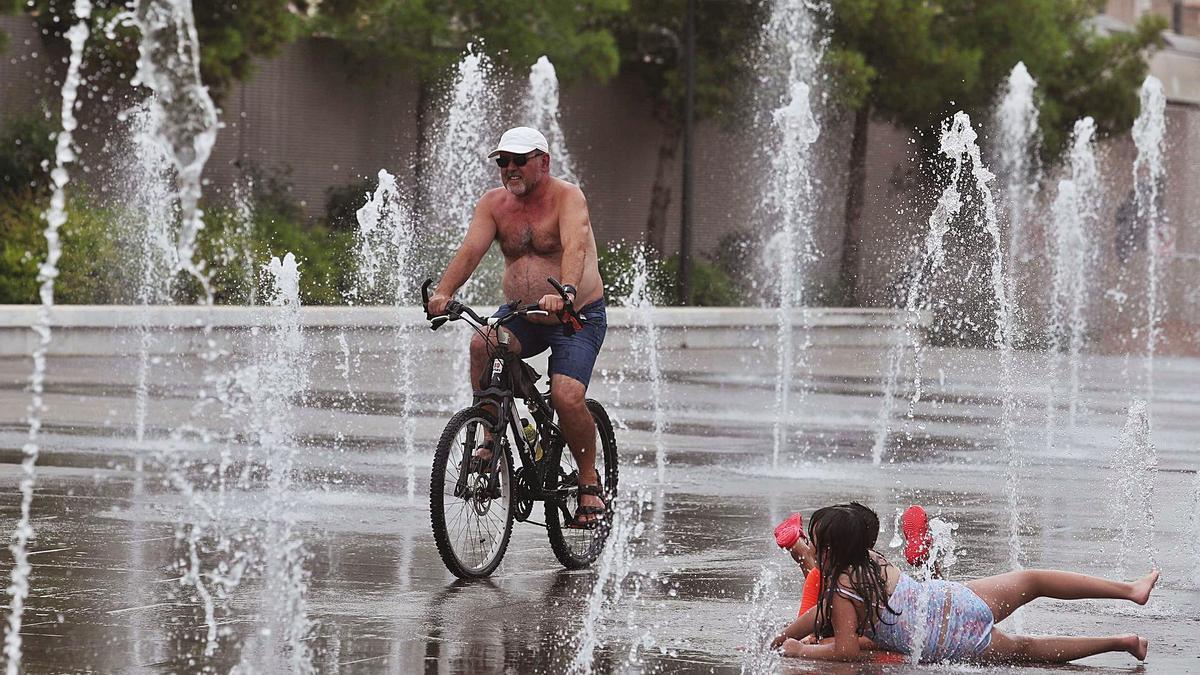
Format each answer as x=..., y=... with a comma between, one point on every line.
x=519, y=160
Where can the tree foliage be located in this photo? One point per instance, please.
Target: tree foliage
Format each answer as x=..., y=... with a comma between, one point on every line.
x=914, y=62
x=231, y=35
x=651, y=39
x=426, y=37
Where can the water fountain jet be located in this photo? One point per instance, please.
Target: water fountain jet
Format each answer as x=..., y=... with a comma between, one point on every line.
x=791, y=34
x=544, y=113
x=1149, y=172
x=64, y=154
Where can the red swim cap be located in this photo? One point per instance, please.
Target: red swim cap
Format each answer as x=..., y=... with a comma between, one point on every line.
x=789, y=531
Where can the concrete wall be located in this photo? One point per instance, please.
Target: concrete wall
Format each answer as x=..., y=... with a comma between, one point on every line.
x=83, y=330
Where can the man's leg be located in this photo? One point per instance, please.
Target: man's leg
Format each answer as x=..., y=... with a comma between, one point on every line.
x=481, y=363
x=567, y=397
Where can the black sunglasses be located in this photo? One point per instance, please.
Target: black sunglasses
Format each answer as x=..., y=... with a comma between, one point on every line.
x=520, y=160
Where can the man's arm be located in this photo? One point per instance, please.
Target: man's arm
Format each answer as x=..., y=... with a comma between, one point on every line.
x=575, y=233
x=480, y=235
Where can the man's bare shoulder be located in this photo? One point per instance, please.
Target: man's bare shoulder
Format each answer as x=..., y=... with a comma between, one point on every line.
x=569, y=192
x=493, y=198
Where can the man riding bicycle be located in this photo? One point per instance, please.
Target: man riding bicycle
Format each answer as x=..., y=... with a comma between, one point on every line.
x=544, y=231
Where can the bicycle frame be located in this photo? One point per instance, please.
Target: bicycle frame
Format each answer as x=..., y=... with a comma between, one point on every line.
x=507, y=378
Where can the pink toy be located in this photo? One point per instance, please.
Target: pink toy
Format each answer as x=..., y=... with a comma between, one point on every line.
x=789, y=531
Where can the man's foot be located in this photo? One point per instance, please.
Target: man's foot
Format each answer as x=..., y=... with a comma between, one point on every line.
x=1143, y=586
x=480, y=459
x=917, y=537
x=592, y=510
x=1135, y=645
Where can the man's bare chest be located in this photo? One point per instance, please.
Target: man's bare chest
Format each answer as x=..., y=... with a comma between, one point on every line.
x=521, y=234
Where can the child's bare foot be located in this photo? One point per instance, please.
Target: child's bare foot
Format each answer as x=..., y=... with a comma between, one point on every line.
x=1143, y=586
x=1136, y=646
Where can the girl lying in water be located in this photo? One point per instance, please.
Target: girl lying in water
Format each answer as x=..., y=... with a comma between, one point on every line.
x=863, y=596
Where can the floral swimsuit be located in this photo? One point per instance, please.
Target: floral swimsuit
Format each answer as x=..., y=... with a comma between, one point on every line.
x=956, y=624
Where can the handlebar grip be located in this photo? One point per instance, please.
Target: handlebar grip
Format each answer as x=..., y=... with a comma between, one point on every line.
x=425, y=298
x=570, y=319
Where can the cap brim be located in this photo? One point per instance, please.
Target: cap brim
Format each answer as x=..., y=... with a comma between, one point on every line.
x=514, y=149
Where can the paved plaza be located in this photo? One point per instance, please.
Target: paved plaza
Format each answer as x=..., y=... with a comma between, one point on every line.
x=703, y=575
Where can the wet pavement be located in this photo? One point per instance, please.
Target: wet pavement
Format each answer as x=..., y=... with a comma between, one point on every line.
x=704, y=574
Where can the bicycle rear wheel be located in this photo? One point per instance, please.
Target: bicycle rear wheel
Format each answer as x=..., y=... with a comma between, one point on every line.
x=578, y=548
x=471, y=528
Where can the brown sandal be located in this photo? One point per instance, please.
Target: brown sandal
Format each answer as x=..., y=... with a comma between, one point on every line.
x=601, y=512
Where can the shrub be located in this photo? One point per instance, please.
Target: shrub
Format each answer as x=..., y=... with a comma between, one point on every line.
x=26, y=141
x=711, y=286
x=235, y=255
x=93, y=269
x=342, y=203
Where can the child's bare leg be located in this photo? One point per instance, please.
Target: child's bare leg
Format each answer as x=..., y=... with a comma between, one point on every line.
x=1004, y=593
x=1055, y=649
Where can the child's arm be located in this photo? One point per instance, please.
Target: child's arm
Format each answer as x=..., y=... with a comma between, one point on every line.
x=802, y=627
x=845, y=646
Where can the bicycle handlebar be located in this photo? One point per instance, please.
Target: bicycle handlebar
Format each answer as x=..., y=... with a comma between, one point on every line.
x=455, y=310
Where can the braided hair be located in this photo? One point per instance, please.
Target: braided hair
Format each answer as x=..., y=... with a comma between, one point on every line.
x=844, y=536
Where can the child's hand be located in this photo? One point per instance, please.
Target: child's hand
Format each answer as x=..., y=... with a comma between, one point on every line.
x=778, y=641
x=802, y=553
x=792, y=648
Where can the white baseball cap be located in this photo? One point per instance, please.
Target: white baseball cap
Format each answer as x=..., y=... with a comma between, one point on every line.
x=521, y=140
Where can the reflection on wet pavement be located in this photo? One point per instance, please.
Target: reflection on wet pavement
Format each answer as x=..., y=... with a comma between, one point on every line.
x=107, y=596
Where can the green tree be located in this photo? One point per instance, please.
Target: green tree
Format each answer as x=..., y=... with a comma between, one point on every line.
x=651, y=38
x=913, y=62
x=426, y=37
x=231, y=35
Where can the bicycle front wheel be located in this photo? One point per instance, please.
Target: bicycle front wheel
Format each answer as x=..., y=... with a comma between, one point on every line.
x=579, y=548
x=472, y=521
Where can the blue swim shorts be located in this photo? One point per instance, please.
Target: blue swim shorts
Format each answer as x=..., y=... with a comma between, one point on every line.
x=573, y=356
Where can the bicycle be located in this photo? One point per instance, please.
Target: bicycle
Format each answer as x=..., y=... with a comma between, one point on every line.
x=474, y=501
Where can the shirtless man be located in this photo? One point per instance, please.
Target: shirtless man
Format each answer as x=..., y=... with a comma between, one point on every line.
x=543, y=228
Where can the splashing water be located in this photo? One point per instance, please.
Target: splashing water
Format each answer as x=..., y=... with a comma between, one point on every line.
x=186, y=127
x=1017, y=142
x=1149, y=171
x=282, y=377
x=953, y=145
x=147, y=220
x=1002, y=342
x=1134, y=467
x=383, y=243
x=462, y=173
x=1076, y=218
x=943, y=552
x=385, y=238
x=760, y=624
x=645, y=344
x=543, y=111
x=186, y=118
x=1194, y=521
x=942, y=555
x=791, y=35
x=64, y=154
x=237, y=243
x=614, y=566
